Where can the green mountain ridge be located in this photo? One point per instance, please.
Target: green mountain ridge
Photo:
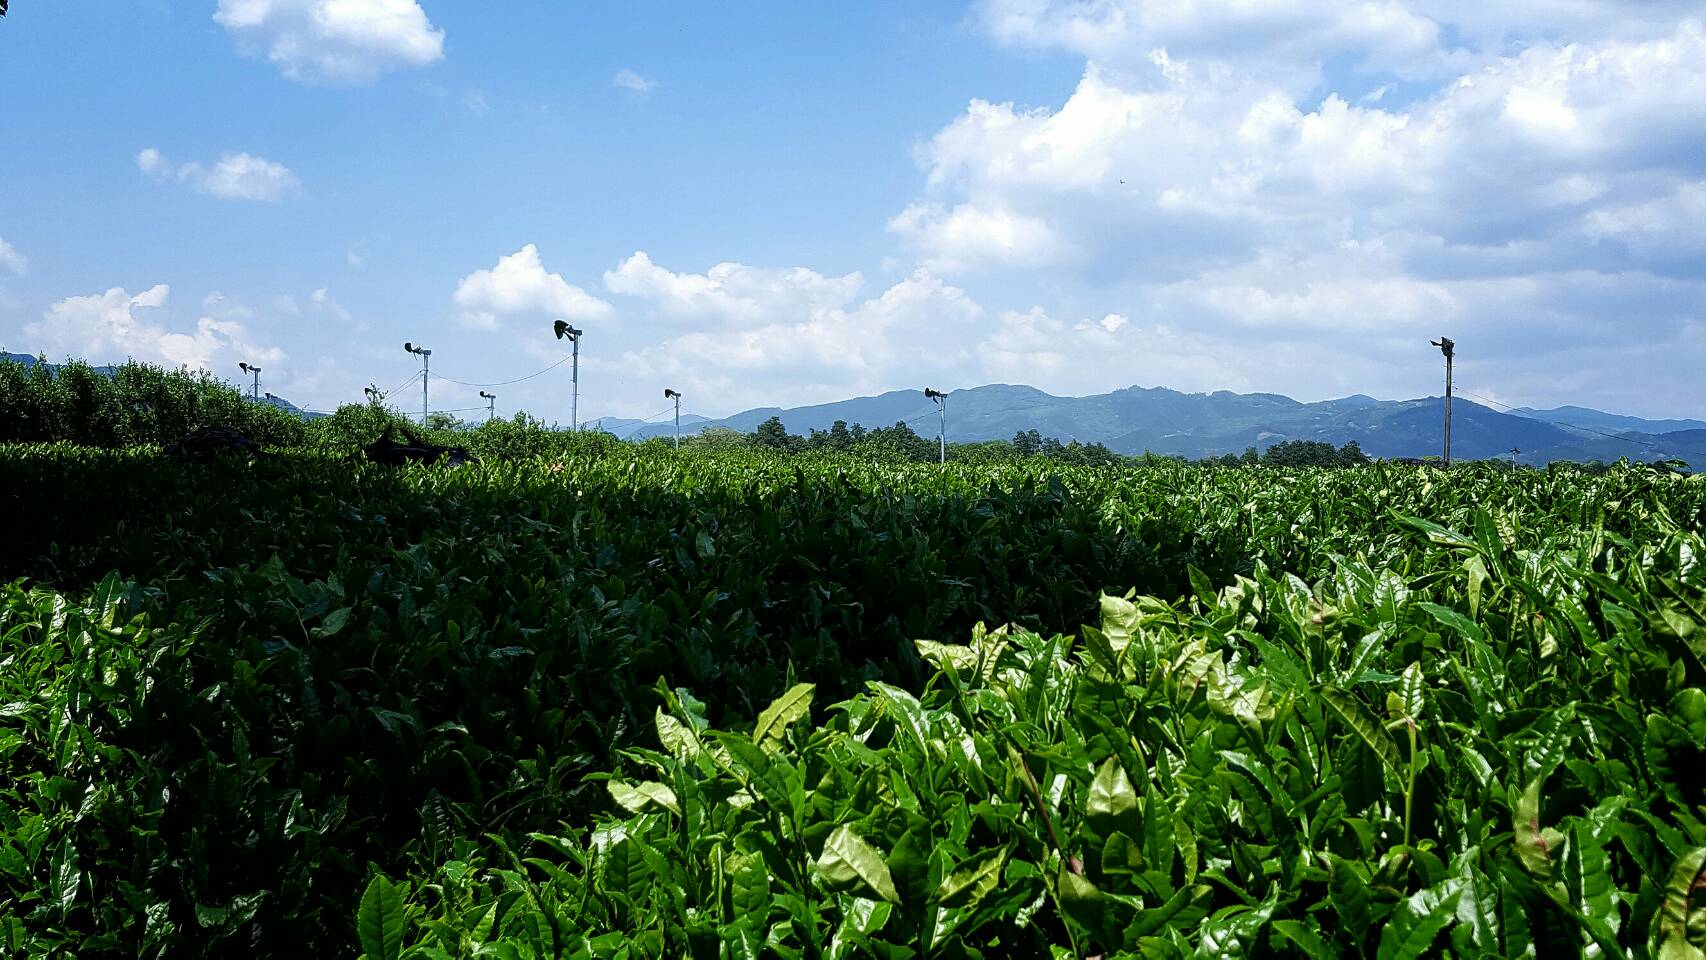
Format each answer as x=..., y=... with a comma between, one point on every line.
x=1165, y=421
x=1160, y=420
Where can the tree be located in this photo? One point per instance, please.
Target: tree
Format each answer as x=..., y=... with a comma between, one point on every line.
x=718, y=438
x=1301, y=453
x=772, y=434
x=898, y=442
x=1086, y=454
x=981, y=453
x=1027, y=443
x=1314, y=453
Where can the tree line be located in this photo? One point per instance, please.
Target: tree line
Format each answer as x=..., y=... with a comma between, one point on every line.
x=141, y=404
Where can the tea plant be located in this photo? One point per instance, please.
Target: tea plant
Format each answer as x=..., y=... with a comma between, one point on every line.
x=1270, y=769
x=308, y=673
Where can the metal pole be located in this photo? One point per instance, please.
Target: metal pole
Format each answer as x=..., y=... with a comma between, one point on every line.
x=575, y=377
x=426, y=364
x=678, y=421
x=941, y=400
x=255, y=390
x=1448, y=409
x=1448, y=347
x=942, y=409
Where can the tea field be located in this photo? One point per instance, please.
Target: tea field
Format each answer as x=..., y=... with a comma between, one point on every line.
x=635, y=703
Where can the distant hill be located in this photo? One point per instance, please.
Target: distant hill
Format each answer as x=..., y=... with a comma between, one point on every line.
x=1197, y=425
x=691, y=423
x=1610, y=422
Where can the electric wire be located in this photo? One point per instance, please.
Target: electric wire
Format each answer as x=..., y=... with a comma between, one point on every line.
x=503, y=383
x=926, y=414
x=637, y=427
x=387, y=394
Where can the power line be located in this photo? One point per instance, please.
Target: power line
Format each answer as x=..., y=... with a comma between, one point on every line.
x=636, y=428
x=503, y=383
x=387, y=394
x=1559, y=423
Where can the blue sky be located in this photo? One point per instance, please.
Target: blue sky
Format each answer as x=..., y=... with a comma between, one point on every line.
x=776, y=204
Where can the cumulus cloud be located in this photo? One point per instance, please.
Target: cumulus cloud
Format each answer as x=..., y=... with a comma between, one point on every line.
x=520, y=285
x=1529, y=180
x=1287, y=42
x=340, y=41
x=11, y=261
x=1663, y=228
x=971, y=235
x=117, y=324
x=236, y=176
x=730, y=292
x=772, y=342
x=1183, y=168
x=629, y=80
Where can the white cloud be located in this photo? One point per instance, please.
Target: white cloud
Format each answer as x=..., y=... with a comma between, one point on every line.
x=149, y=161
x=913, y=332
x=11, y=261
x=237, y=176
x=475, y=102
x=970, y=235
x=1287, y=42
x=629, y=80
x=117, y=324
x=1666, y=227
x=1529, y=186
x=1187, y=170
x=730, y=292
x=1072, y=358
x=341, y=41
x=323, y=300
x=520, y=285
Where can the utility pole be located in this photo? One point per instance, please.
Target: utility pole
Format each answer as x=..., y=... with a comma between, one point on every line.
x=563, y=330
x=491, y=402
x=1447, y=347
x=426, y=364
x=676, y=396
x=942, y=410
x=255, y=389
x=1514, y=452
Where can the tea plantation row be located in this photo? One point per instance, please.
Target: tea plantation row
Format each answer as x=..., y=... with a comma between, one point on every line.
x=299, y=705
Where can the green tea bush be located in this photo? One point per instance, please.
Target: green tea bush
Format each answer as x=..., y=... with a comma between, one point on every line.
x=1270, y=769
x=135, y=404
x=309, y=672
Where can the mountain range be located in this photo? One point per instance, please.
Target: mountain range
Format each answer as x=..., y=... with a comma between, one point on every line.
x=1195, y=425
